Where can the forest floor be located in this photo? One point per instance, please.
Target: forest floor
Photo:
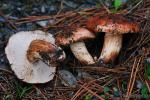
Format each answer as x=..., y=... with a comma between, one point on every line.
x=127, y=77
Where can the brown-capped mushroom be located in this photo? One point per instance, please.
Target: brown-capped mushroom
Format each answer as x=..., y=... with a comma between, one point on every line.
x=114, y=26
x=33, y=56
x=75, y=40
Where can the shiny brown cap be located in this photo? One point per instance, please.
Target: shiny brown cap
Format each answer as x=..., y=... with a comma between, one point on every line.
x=45, y=50
x=79, y=34
x=38, y=46
x=112, y=23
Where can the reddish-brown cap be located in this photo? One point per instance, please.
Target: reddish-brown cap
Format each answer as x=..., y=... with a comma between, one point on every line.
x=112, y=23
x=79, y=34
x=48, y=52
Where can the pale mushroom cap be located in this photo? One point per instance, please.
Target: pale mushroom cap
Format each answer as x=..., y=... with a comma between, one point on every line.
x=16, y=51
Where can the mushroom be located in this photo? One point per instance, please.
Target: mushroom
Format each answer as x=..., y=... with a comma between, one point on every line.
x=75, y=39
x=33, y=56
x=114, y=26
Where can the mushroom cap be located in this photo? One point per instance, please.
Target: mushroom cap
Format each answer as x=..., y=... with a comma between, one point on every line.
x=79, y=34
x=112, y=23
x=16, y=51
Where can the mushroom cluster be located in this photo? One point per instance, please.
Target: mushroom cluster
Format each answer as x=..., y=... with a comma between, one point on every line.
x=34, y=55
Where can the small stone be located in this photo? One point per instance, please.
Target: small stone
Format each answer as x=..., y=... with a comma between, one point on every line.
x=67, y=78
x=139, y=84
x=2, y=19
x=85, y=75
x=51, y=21
x=13, y=17
x=116, y=92
x=34, y=10
x=51, y=9
x=108, y=3
x=70, y=4
x=91, y=1
x=124, y=1
x=85, y=5
x=42, y=23
x=25, y=27
x=43, y=10
x=19, y=8
x=148, y=60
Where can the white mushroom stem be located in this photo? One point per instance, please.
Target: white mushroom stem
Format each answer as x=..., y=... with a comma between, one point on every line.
x=81, y=53
x=111, y=47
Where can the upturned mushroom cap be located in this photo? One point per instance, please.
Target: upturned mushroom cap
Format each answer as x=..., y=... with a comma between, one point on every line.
x=77, y=35
x=112, y=23
x=19, y=52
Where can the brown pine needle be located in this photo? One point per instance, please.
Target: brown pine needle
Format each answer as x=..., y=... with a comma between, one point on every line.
x=134, y=71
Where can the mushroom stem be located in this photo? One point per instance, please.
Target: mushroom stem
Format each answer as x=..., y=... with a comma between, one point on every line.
x=81, y=53
x=111, y=47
